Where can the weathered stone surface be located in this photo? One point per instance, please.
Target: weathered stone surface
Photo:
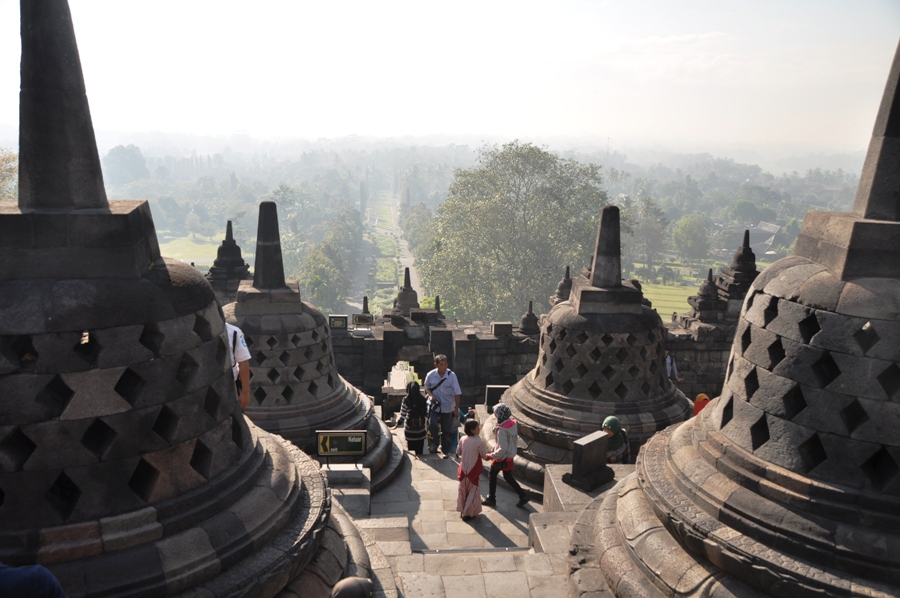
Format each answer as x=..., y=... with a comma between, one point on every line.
x=125, y=464
x=295, y=388
x=600, y=353
x=789, y=482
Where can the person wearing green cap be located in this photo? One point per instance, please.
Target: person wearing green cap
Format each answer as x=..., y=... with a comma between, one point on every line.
x=617, y=450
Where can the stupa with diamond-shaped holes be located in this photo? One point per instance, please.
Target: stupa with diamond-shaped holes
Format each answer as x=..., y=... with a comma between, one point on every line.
x=295, y=388
x=126, y=466
x=228, y=269
x=789, y=483
x=601, y=353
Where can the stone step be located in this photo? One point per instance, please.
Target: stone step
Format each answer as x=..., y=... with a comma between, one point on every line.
x=562, y=496
x=382, y=574
x=477, y=551
x=393, y=465
x=383, y=536
x=551, y=532
x=342, y=554
x=391, y=533
x=497, y=573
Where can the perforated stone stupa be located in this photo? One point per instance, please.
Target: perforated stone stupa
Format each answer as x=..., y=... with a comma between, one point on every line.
x=719, y=299
x=228, y=269
x=295, y=388
x=601, y=353
x=125, y=464
x=789, y=483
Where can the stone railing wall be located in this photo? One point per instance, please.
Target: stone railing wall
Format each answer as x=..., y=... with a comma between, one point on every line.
x=481, y=358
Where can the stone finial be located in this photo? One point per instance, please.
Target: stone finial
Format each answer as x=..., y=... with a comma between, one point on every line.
x=563, y=289
x=228, y=255
x=708, y=288
x=437, y=303
x=59, y=167
x=744, y=260
x=407, y=297
x=365, y=305
x=268, y=273
x=876, y=196
x=529, y=324
x=607, y=267
x=228, y=269
x=865, y=243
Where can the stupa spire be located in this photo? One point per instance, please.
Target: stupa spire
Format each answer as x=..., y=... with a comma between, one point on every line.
x=876, y=196
x=529, y=323
x=607, y=267
x=365, y=305
x=59, y=167
x=229, y=235
x=268, y=273
x=407, y=297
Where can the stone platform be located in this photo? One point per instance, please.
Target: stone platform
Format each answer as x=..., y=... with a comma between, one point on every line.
x=432, y=553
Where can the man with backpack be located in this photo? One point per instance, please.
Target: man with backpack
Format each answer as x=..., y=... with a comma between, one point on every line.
x=442, y=387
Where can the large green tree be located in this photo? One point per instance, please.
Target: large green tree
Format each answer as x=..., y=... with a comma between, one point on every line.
x=508, y=228
x=123, y=164
x=690, y=237
x=644, y=223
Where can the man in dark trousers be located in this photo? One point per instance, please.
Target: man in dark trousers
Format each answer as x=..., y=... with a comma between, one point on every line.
x=442, y=386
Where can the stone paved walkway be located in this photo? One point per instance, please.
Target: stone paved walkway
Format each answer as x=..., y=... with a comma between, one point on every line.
x=433, y=553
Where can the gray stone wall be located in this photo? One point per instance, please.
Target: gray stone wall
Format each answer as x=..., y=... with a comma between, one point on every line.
x=702, y=364
x=480, y=358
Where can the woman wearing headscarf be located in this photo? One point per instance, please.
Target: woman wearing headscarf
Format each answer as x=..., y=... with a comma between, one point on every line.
x=506, y=434
x=413, y=413
x=617, y=450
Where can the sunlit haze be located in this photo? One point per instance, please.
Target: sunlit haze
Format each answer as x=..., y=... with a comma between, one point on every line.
x=696, y=75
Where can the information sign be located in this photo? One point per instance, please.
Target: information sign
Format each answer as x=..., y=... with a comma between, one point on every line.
x=341, y=443
x=363, y=319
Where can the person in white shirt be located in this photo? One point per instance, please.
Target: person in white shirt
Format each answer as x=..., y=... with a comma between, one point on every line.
x=442, y=387
x=671, y=368
x=240, y=363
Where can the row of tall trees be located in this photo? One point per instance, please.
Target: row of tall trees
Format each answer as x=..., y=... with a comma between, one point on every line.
x=491, y=229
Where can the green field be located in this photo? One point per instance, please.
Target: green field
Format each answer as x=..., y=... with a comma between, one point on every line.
x=383, y=210
x=668, y=298
x=199, y=250
x=386, y=270
x=385, y=245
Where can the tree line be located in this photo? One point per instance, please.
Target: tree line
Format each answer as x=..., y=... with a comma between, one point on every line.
x=514, y=220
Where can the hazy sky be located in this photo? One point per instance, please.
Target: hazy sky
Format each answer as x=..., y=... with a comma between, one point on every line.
x=684, y=73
